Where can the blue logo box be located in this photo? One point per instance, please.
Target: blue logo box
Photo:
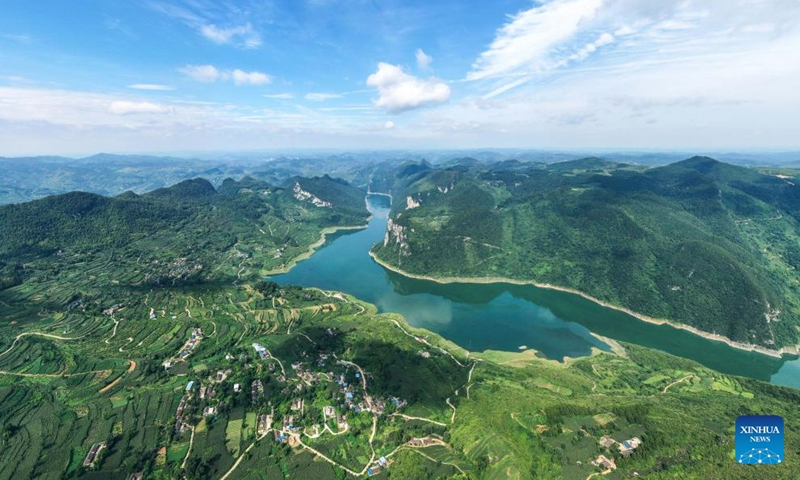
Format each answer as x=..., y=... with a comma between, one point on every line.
x=759, y=439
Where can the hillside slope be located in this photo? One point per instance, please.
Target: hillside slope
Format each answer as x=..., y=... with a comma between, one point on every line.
x=699, y=242
x=186, y=234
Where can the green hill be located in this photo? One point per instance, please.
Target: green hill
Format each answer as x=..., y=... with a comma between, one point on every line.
x=700, y=242
x=189, y=233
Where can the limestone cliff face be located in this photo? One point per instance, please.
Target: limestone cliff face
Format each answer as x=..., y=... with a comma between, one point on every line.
x=411, y=203
x=305, y=196
x=396, y=234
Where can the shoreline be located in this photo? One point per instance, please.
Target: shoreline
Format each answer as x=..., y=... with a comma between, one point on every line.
x=639, y=316
x=313, y=248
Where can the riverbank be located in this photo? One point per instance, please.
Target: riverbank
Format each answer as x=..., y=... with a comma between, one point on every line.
x=312, y=248
x=639, y=316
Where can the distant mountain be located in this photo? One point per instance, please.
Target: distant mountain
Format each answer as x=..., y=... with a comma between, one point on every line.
x=701, y=242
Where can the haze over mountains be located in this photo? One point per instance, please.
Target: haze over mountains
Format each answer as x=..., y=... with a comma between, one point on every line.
x=28, y=178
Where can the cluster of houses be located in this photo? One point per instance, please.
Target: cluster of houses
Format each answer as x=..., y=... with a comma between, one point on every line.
x=188, y=347
x=256, y=391
x=113, y=309
x=191, y=344
x=306, y=376
x=179, y=425
x=286, y=431
x=379, y=465
x=261, y=351
x=626, y=449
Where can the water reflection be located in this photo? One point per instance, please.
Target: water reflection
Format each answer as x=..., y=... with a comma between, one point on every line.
x=505, y=316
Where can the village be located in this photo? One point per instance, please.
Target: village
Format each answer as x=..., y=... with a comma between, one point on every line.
x=292, y=410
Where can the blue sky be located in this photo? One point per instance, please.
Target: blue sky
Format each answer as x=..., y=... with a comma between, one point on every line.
x=178, y=75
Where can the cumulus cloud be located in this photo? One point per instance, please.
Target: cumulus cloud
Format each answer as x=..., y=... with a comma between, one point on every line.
x=423, y=59
x=210, y=74
x=280, y=96
x=321, y=97
x=123, y=107
x=528, y=39
x=243, y=35
x=150, y=86
x=389, y=125
x=202, y=73
x=250, y=78
x=398, y=91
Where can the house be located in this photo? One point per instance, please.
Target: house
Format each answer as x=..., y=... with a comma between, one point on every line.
x=421, y=442
x=256, y=390
x=328, y=411
x=604, y=461
x=607, y=441
x=221, y=376
x=264, y=423
x=398, y=402
x=261, y=351
x=208, y=411
x=297, y=404
x=189, y=385
x=288, y=422
x=237, y=388
x=279, y=437
x=627, y=447
x=91, y=456
x=341, y=422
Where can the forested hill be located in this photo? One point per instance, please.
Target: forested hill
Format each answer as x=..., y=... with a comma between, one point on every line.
x=185, y=234
x=701, y=242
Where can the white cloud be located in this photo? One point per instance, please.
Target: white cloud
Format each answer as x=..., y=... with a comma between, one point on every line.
x=423, y=59
x=150, y=86
x=244, y=35
x=399, y=91
x=202, y=73
x=389, y=125
x=527, y=41
x=280, y=96
x=250, y=78
x=321, y=97
x=210, y=74
x=583, y=53
x=125, y=107
x=21, y=38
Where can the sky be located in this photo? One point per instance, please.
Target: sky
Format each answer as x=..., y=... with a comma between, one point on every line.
x=219, y=75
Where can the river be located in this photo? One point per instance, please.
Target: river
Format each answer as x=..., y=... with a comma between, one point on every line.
x=504, y=316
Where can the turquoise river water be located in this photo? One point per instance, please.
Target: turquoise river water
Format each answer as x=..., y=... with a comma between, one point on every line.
x=504, y=316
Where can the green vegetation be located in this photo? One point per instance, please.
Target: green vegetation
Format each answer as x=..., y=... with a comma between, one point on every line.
x=196, y=376
x=699, y=242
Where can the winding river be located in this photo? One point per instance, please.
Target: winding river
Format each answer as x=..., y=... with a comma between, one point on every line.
x=504, y=316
